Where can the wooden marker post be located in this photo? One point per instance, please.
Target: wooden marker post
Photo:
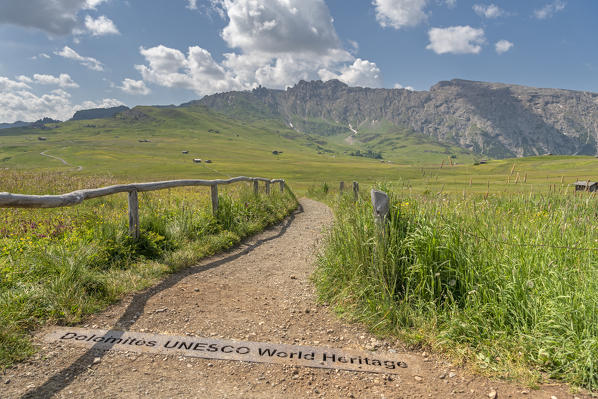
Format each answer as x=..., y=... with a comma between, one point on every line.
x=214, y=195
x=267, y=187
x=256, y=186
x=381, y=206
x=341, y=187
x=133, y=214
x=355, y=191
x=281, y=186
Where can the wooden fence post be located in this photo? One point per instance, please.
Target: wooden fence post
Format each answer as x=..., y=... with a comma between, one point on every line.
x=341, y=187
x=214, y=193
x=133, y=214
x=267, y=187
x=256, y=186
x=381, y=205
x=355, y=190
x=281, y=186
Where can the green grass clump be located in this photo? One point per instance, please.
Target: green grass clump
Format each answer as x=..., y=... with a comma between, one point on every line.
x=59, y=265
x=508, y=283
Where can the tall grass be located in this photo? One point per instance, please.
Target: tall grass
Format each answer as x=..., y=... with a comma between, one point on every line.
x=508, y=283
x=59, y=265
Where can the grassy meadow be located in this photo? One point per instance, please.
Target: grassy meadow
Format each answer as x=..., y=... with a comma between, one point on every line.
x=59, y=265
x=505, y=282
x=112, y=147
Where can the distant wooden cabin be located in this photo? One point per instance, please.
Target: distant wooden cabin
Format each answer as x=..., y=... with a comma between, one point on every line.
x=185, y=152
x=197, y=160
x=590, y=186
x=208, y=161
x=42, y=138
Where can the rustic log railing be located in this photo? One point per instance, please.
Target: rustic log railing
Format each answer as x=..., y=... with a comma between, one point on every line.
x=9, y=200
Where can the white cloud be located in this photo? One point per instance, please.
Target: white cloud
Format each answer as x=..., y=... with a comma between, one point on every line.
x=93, y=4
x=24, y=105
x=279, y=26
x=192, y=4
x=56, y=17
x=25, y=79
x=136, y=87
x=400, y=86
x=354, y=46
x=63, y=80
x=549, y=9
x=400, y=13
x=456, y=40
x=19, y=103
x=488, y=11
x=104, y=103
x=196, y=71
x=40, y=55
x=502, y=46
x=100, y=26
x=214, y=7
x=360, y=73
x=88, y=62
x=451, y=3
x=7, y=84
x=276, y=42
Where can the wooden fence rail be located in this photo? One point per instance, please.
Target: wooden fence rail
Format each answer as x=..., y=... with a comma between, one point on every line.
x=9, y=200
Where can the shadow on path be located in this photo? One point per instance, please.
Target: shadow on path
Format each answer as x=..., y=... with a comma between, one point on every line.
x=134, y=310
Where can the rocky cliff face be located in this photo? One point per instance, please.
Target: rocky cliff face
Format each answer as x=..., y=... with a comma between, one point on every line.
x=98, y=113
x=493, y=119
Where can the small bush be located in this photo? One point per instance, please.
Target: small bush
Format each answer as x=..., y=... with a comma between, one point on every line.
x=318, y=192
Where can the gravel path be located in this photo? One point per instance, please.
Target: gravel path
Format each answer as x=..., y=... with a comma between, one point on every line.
x=259, y=292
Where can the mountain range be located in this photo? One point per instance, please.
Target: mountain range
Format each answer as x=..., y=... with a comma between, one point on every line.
x=38, y=124
x=457, y=117
x=491, y=119
x=98, y=113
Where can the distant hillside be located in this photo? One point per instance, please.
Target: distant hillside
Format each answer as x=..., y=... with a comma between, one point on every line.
x=38, y=124
x=42, y=122
x=491, y=119
x=98, y=113
x=15, y=124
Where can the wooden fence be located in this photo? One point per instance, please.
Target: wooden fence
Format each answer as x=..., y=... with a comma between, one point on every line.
x=380, y=201
x=8, y=200
x=341, y=188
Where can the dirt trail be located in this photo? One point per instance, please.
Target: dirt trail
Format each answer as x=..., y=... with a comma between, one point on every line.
x=259, y=292
x=77, y=168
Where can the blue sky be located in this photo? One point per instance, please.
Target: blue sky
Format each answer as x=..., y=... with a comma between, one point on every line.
x=62, y=55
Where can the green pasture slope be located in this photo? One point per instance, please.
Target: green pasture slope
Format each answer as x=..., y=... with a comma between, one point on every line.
x=245, y=147
x=236, y=147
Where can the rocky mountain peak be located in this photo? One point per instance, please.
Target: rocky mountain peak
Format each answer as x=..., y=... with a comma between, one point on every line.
x=318, y=85
x=493, y=119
